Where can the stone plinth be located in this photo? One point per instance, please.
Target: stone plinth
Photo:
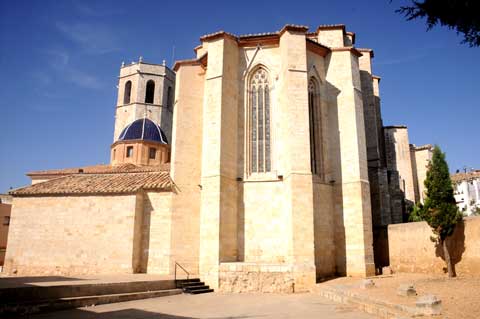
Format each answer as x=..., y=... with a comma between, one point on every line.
x=253, y=277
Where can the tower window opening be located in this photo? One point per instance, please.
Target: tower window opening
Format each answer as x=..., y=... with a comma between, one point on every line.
x=150, y=92
x=129, y=151
x=127, y=92
x=169, y=97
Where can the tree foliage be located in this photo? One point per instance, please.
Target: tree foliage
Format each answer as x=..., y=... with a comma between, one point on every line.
x=415, y=214
x=462, y=16
x=440, y=210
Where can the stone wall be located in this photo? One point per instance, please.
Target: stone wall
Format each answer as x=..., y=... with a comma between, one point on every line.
x=186, y=166
x=255, y=277
x=398, y=158
x=71, y=235
x=411, y=249
x=4, y=215
x=157, y=232
x=420, y=157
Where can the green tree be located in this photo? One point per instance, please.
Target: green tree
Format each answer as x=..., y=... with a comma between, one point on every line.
x=415, y=214
x=460, y=15
x=440, y=210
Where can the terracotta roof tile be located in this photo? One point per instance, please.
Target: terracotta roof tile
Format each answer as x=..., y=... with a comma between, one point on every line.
x=117, y=183
x=262, y=34
x=102, y=169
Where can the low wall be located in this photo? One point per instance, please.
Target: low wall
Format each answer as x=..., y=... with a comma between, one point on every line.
x=411, y=249
x=71, y=235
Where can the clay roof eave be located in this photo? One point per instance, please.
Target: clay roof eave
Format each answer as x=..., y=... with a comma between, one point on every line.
x=202, y=61
x=317, y=47
x=98, y=184
x=100, y=169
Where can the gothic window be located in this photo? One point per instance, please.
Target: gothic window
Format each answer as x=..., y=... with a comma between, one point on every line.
x=127, y=92
x=315, y=123
x=150, y=92
x=259, y=122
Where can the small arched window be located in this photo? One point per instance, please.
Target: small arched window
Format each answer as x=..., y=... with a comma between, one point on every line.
x=315, y=121
x=127, y=92
x=150, y=92
x=169, y=97
x=259, y=122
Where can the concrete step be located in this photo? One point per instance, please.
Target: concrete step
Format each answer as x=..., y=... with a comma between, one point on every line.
x=379, y=308
x=193, y=288
x=32, y=293
x=201, y=291
x=30, y=307
x=192, y=284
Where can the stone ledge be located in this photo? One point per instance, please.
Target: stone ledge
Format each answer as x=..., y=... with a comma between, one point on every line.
x=380, y=308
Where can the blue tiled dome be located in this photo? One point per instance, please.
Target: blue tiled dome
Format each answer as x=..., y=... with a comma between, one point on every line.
x=143, y=129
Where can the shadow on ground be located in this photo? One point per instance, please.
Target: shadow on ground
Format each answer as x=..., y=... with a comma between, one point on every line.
x=7, y=282
x=122, y=314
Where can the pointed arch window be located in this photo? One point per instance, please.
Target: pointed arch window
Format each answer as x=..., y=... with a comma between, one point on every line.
x=150, y=92
x=127, y=92
x=259, y=122
x=315, y=123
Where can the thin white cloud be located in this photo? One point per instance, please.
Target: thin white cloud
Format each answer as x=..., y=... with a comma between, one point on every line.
x=60, y=67
x=58, y=58
x=401, y=60
x=96, y=9
x=91, y=38
x=83, y=79
x=41, y=77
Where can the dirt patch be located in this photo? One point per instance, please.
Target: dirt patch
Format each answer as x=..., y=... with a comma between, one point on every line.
x=460, y=296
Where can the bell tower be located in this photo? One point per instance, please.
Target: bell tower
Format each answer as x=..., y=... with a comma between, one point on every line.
x=145, y=90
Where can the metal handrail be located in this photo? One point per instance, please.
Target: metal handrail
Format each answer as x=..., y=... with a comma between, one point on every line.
x=188, y=274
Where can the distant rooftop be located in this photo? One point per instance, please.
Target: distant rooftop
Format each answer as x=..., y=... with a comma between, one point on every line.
x=459, y=177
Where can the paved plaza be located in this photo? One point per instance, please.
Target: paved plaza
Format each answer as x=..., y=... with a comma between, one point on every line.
x=217, y=306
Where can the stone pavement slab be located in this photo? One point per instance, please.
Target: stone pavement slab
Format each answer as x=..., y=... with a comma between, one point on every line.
x=217, y=306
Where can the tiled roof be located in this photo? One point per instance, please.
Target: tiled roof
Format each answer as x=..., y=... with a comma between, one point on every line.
x=421, y=147
x=118, y=183
x=221, y=32
x=459, y=177
x=102, y=169
x=263, y=34
x=328, y=26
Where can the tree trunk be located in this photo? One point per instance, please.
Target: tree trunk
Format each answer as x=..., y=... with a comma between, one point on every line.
x=451, y=271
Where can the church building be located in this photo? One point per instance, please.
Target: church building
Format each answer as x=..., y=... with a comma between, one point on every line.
x=259, y=165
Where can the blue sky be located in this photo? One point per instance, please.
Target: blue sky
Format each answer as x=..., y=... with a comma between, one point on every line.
x=60, y=61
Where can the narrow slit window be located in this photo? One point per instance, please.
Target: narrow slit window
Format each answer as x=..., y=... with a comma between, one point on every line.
x=315, y=123
x=169, y=97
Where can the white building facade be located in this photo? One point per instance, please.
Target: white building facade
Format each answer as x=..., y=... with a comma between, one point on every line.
x=467, y=191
